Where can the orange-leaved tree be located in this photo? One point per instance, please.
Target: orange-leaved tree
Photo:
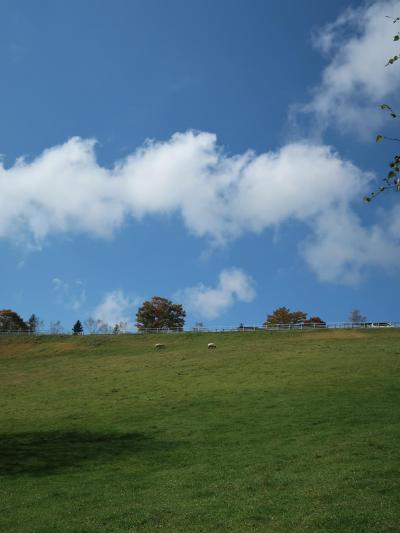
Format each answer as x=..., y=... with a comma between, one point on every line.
x=11, y=321
x=283, y=315
x=315, y=321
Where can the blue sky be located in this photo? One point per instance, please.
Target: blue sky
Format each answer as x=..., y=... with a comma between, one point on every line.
x=214, y=152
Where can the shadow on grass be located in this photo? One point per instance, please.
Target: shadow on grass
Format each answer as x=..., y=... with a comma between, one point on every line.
x=42, y=453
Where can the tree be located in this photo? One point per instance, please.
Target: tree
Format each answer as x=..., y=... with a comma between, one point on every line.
x=34, y=323
x=120, y=327
x=96, y=325
x=392, y=179
x=10, y=321
x=160, y=313
x=91, y=325
x=56, y=328
x=77, y=329
x=283, y=315
x=356, y=317
x=103, y=327
x=314, y=322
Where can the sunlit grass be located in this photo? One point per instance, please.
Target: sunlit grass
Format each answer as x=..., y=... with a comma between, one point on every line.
x=295, y=431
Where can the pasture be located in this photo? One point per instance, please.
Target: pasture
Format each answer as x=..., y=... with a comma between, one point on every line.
x=276, y=432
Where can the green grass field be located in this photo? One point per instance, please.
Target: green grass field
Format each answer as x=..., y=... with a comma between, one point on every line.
x=270, y=432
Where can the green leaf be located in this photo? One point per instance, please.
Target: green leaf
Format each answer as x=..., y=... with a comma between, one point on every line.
x=396, y=38
x=379, y=138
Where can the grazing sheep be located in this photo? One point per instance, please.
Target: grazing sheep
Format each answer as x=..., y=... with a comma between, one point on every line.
x=159, y=346
x=211, y=346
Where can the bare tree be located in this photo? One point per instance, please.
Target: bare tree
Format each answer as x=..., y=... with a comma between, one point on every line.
x=56, y=328
x=356, y=317
x=92, y=325
x=120, y=327
x=103, y=327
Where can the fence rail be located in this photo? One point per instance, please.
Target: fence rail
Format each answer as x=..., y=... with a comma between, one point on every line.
x=240, y=329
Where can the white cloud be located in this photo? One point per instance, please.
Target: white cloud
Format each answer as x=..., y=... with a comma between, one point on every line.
x=70, y=295
x=208, y=302
x=218, y=195
x=116, y=307
x=222, y=196
x=356, y=80
x=342, y=247
x=62, y=190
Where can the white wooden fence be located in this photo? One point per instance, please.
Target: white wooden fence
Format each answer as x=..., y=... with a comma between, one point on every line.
x=240, y=329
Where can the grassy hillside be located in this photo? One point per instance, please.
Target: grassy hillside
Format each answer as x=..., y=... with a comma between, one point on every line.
x=284, y=431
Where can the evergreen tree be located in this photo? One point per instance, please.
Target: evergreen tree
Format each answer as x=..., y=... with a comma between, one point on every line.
x=34, y=323
x=77, y=329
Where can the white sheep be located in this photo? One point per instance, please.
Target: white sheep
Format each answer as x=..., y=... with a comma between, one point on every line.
x=211, y=346
x=159, y=346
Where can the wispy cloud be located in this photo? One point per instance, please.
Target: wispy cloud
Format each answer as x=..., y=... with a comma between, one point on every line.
x=70, y=295
x=355, y=81
x=342, y=247
x=234, y=285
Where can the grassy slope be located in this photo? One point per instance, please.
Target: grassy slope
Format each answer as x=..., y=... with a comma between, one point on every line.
x=271, y=432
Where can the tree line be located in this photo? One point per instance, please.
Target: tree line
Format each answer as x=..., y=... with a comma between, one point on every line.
x=157, y=313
